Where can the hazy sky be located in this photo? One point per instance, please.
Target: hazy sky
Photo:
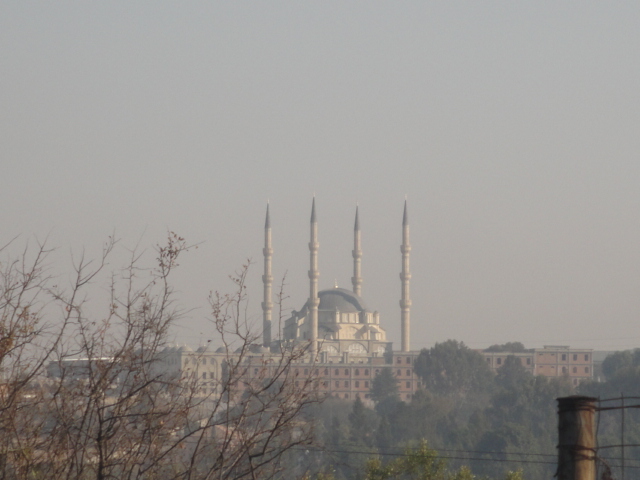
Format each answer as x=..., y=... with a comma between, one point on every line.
x=512, y=127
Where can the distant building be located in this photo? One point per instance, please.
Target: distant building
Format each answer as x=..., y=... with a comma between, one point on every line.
x=550, y=361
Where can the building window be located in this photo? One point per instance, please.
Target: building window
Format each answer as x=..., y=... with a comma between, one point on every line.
x=326, y=372
x=337, y=372
x=366, y=385
x=398, y=360
x=346, y=383
x=564, y=357
x=408, y=359
x=204, y=375
x=346, y=371
x=366, y=371
x=346, y=395
x=377, y=371
x=306, y=371
x=337, y=384
x=586, y=358
x=488, y=360
x=575, y=369
x=357, y=371
x=499, y=361
x=586, y=369
x=575, y=357
x=255, y=371
x=564, y=369
x=528, y=361
x=297, y=383
x=408, y=373
x=399, y=372
x=408, y=384
x=357, y=384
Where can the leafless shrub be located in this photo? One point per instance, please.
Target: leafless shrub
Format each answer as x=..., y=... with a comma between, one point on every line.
x=115, y=403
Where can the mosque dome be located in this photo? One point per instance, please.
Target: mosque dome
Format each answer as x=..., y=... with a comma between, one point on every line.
x=340, y=299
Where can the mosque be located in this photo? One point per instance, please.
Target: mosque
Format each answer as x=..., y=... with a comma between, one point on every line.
x=343, y=334
x=337, y=321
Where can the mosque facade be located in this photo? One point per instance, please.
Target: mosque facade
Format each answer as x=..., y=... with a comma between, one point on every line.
x=337, y=321
x=347, y=343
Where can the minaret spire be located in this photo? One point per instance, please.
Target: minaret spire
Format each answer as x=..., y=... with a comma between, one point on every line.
x=314, y=301
x=267, y=281
x=405, y=277
x=356, y=280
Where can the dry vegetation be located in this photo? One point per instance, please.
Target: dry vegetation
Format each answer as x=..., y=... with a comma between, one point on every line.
x=117, y=413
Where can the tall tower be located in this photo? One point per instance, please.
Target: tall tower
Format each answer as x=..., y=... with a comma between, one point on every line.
x=356, y=280
x=314, y=301
x=405, y=277
x=267, y=281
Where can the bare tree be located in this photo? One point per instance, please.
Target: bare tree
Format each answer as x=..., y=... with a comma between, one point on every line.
x=258, y=414
x=116, y=403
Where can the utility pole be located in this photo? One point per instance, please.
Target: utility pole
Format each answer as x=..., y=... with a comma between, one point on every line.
x=576, y=438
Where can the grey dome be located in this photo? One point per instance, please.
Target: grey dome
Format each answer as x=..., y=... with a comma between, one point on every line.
x=341, y=299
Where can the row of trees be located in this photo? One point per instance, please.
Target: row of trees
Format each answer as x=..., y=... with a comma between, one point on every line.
x=484, y=424
x=120, y=416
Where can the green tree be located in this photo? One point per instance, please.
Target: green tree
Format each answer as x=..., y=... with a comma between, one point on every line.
x=511, y=347
x=422, y=463
x=384, y=386
x=384, y=391
x=512, y=374
x=384, y=440
x=618, y=361
x=453, y=369
x=363, y=423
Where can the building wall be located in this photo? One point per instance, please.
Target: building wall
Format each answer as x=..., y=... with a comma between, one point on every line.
x=348, y=376
x=550, y=361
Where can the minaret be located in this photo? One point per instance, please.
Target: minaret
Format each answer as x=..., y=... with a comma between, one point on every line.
x=267, y=281
x=314, y=301
x=356, y=280
x=405, y=276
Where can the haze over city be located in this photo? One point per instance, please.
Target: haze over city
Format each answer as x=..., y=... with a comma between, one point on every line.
x=511, y=128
